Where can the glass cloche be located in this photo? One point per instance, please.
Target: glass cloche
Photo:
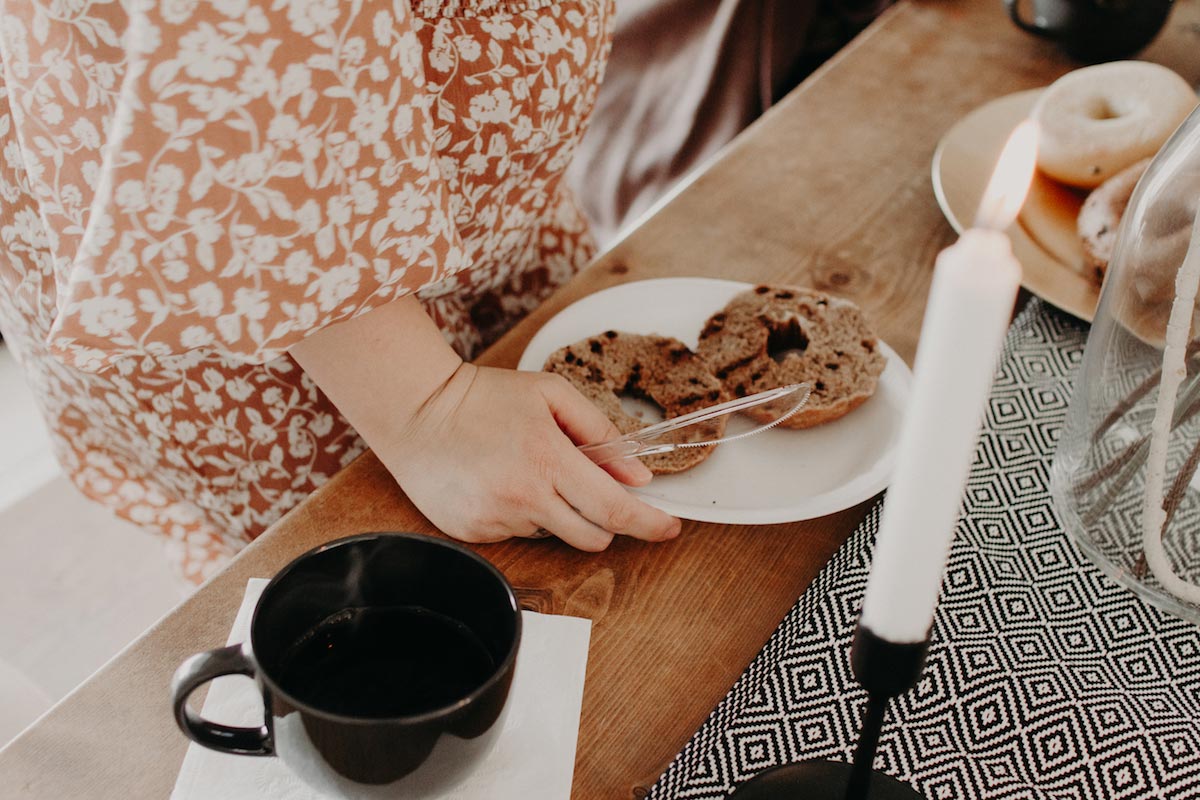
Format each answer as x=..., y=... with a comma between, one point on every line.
x=1125, y=478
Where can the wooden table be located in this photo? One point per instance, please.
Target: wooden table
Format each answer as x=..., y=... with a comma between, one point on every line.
x=830, y=189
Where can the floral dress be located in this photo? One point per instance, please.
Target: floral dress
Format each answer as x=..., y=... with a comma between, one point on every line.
x=189, y=188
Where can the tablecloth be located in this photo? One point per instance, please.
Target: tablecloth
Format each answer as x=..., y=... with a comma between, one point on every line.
x=1045, y=679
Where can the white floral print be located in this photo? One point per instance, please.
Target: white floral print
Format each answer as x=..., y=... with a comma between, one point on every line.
x=189, y=187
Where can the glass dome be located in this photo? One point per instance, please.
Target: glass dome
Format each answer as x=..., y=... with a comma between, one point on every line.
x=1125, y=478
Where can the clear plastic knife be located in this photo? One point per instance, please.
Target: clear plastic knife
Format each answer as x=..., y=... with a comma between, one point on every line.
x=700, y=428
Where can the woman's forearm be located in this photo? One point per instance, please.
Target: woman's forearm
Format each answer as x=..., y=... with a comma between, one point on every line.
x=381, y=367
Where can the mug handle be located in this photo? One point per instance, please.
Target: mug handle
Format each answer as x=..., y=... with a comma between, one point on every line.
x=199, y=670
x=1014, y=11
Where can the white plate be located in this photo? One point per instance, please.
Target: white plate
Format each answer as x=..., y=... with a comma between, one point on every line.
x=777, y=476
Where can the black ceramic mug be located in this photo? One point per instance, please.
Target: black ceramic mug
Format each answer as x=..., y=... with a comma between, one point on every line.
x=1093, y=30
x=384, y=662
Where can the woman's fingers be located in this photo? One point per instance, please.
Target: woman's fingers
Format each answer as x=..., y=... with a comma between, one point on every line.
x=605, y=504
x=629, y=471
x=583, y=423
x=564, y=522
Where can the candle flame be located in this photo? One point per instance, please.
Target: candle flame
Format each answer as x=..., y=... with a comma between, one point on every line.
x=1005, y=193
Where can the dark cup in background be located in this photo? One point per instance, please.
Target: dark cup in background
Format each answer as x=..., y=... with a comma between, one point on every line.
x=1093, y=30
x=362, y=754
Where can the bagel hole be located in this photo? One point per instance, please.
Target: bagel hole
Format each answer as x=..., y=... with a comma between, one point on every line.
x=1101, y=109
x=786, y=338
x=639, y=405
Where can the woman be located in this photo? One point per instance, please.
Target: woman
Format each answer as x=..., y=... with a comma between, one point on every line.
x=197, y=198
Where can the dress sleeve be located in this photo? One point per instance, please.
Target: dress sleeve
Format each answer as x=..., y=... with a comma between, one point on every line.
x=271, y=170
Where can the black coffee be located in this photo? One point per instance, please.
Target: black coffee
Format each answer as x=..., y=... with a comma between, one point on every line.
x=384, y=662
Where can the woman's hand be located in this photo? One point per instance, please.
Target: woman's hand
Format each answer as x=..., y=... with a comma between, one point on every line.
x=492, y=454
x=485, y=454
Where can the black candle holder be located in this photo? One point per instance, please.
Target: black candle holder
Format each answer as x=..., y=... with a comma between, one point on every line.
x=885, y=669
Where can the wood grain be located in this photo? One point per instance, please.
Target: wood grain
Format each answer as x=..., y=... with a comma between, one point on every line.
x=830, y=189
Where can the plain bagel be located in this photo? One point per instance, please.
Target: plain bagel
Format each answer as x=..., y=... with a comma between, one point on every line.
x=1101, y=215
x=1098, y=120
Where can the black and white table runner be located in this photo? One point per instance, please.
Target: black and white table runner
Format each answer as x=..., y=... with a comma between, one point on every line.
x=1045, y=680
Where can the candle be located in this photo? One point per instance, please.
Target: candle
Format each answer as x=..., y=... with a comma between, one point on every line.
x=975, y=283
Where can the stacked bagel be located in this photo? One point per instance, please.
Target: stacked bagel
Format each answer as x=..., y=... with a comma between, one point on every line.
x=1099, y=120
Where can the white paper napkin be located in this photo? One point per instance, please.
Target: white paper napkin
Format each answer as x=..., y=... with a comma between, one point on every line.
x=534, y=757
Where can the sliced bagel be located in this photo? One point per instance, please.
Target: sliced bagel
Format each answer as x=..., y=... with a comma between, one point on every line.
x=657, y=369
x=773, y=336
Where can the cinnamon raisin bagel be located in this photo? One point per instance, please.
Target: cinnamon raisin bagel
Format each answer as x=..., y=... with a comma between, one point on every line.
x=657, y=369
x=773, y=336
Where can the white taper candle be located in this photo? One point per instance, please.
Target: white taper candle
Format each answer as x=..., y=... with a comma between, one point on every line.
x=975, y=283
x=970, y=302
